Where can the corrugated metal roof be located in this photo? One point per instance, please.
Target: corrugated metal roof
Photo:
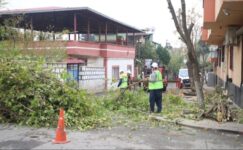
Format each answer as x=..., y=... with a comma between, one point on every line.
x=60, y=9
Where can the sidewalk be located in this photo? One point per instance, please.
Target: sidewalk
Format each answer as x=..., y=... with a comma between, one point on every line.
x=208, y=124
x=231, y=127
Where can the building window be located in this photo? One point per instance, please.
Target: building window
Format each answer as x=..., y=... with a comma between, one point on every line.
x=231, y=57
x=115, y=72
x=73, y=71
x=129, y=68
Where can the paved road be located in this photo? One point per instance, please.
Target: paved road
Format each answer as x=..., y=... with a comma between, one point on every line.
x=171, y=85
x=136, y=137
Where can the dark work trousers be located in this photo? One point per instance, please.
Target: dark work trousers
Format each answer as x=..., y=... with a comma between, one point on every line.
x=155, y=97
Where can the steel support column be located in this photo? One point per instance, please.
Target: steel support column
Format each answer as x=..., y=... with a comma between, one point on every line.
x=88, y=30
x=133, y=35
x=106, y=32
x=126, y=37
x=116, y=35
x=75, y=26
x=106, y=72
x=99, y=32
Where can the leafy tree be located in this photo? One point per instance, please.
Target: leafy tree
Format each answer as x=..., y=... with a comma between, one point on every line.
x=175, y=63
x=144, y=51
x=163, y=55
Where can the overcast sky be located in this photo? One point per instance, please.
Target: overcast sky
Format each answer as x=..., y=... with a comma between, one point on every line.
x=137, y=13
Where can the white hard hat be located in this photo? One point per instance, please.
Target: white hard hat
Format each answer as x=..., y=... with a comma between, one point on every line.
x=129, y=72
x=154, y=65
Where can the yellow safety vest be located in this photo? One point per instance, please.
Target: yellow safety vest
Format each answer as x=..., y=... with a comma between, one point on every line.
x=124, y=81
x=158, y=84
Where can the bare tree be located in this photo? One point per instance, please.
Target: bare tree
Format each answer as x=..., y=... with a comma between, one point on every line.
x=193, y=16
x=185, y=32
x=190, y=18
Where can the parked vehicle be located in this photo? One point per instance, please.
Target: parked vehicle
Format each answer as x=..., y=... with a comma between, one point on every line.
x=184, y=78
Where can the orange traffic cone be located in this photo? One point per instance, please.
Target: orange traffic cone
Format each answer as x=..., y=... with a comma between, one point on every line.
x=60, y=133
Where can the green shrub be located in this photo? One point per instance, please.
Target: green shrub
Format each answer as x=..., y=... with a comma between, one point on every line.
x=128, y=99
x=173, y=99
x=31, y=95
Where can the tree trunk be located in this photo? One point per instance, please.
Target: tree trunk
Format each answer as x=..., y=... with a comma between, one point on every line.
x=203, y=70
x=196, y=76
x=189, y=66
x=199, y=92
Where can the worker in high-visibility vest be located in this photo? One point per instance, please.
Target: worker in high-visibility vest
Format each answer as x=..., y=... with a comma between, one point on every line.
x=155, y=88
x=123, y=82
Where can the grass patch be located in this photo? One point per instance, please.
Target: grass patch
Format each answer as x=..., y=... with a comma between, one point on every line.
x=174, y=107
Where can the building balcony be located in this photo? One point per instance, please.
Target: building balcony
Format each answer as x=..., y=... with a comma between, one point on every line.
x=83, y=48
x=86, y=31
x=223, y=12
x=218, y=16
x=229, y=12
x=204, y=35
x=209, y=13
x=216, y=36
x=211, y=37
x=94, y=49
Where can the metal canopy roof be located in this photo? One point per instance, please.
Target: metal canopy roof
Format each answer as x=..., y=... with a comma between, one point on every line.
x=58, y=19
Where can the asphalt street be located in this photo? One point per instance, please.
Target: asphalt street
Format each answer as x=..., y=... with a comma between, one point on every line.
x=137, y=136
x=140, y=136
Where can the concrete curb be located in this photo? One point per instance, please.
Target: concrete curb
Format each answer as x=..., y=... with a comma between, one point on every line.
x=206, y=125
x=209, y=128
x=159, y=118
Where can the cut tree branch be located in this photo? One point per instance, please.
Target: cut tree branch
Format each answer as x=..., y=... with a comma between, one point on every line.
x=26, y=107
x=176, y=21
x=183, y=14
x=190, y=28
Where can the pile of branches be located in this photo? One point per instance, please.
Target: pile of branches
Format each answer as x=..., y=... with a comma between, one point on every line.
x=222, y=109
x=222, y=112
